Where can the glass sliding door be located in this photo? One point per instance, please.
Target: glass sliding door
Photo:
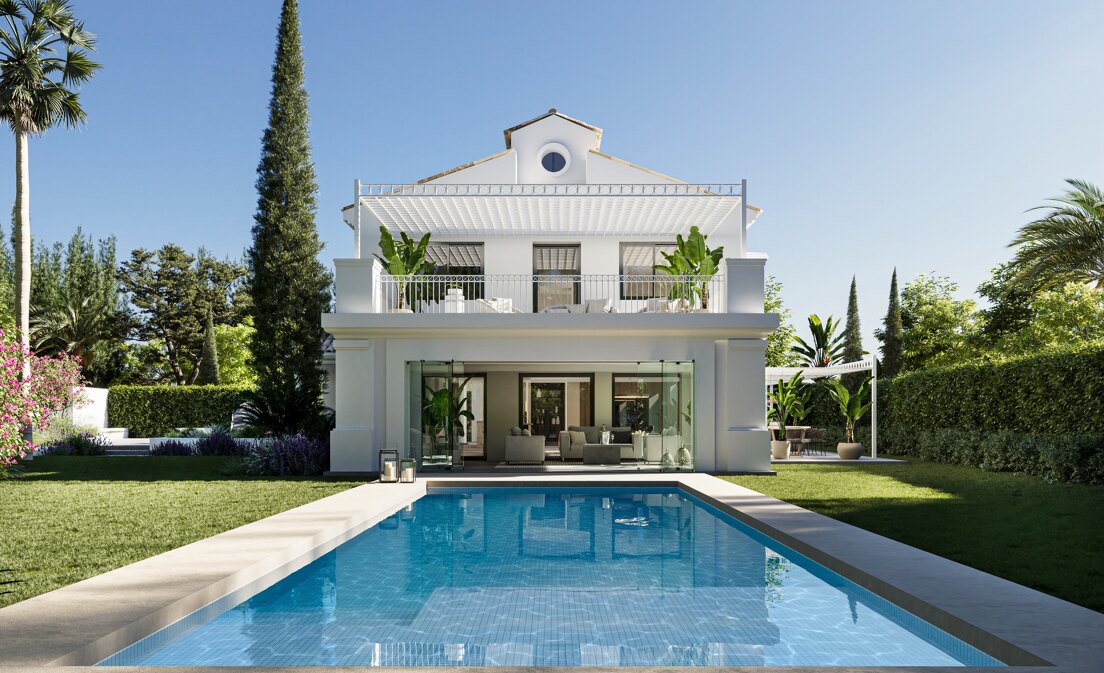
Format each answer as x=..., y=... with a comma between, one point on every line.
x=556, y=281
x=438, y=411
x=658, y=400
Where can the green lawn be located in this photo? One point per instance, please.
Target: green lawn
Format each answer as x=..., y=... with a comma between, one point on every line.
x=69, y=518
x=1046, y=536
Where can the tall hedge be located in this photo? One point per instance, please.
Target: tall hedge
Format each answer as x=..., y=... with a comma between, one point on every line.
x=149, y=411
x=1041, y=415
x=1055, y=392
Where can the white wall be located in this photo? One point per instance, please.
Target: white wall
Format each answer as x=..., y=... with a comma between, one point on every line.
x=90, y=409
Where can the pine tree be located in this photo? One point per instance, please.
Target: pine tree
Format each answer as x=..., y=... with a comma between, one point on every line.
x=891, y=335
x=289, y=287
x=852, y=338
x=208, y=358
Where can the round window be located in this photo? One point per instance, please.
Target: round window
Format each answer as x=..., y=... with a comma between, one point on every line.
x=553, y=162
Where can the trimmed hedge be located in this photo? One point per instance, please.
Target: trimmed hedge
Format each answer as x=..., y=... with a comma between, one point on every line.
x=150, y=411
x=1055, y=392
x=1041, y=415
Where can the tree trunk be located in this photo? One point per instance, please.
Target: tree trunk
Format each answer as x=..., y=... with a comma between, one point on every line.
x=23, y=254
x=23, y=244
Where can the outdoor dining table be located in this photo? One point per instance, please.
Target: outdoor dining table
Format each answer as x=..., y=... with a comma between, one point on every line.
x=800, y=448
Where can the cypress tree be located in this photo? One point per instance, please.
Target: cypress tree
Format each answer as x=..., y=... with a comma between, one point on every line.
x=208, y=362
x=290, y=288
x=852, y=338
x=893, y=352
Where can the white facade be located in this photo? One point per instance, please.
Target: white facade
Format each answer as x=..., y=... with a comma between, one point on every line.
x=550, y=217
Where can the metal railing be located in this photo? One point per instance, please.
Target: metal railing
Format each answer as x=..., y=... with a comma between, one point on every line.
x=440, y=189
x=547, y=293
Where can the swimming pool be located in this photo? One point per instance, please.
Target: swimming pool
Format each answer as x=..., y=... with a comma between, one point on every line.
x=556, y=577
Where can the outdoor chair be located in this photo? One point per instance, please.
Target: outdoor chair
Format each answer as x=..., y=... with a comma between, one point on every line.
x=815, y=440
x=796, y=438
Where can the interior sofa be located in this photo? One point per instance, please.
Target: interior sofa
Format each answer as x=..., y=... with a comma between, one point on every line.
x=571, y=448
x=524, y=449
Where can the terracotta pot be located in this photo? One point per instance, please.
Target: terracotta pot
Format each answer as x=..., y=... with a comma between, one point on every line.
x=849, y=450
x=780, y=449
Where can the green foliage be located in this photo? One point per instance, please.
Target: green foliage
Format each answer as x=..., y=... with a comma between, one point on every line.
x=825, y=347
x=173, y=292
x=289, y=287
x=446, y=406
x=852, y=331
x=1061, y=457
x=1009, y=309
x=692, y=263
x=150, y=411
x=937, y=328
x=788, y=401
x=208, y=360
x=891, y=335
x=76, y=306
x=1067, y=315
x=404, y=259
x=779, y=353
x=1065, y=245
x=1055, y=392
x=852, y=406
x=235, y=358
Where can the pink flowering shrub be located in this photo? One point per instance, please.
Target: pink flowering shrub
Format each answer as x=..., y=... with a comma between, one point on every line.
x=52, y=386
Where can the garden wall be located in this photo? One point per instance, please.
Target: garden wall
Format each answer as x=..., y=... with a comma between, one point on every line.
x=149, y=411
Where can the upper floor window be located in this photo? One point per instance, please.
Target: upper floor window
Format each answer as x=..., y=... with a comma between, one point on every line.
x=459, y=259
x=638, y=261
x=553, y=162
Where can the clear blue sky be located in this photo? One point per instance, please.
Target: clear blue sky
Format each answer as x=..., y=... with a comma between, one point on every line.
x=873, y=134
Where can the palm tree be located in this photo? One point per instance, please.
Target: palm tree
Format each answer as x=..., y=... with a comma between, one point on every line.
x=43, y=58
x=75, y=327
x=826, y=347
x=1067, y=244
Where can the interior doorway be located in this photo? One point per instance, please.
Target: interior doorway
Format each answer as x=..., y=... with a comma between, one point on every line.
x=550, y=403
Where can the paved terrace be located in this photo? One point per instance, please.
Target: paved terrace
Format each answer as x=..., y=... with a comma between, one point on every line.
x=81, y=624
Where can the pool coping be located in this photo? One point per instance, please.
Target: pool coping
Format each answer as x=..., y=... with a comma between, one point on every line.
x=85, y=622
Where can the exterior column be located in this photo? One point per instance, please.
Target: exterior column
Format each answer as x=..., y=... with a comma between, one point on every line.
x=744, y=278
x=352, y=441
x=742, y=439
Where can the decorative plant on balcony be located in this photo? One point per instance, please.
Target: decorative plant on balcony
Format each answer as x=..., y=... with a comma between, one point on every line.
x=446, y=408
x=852, y=406
x=826, y=347
x=404, y=259
x=693, y=265
x=788, y=402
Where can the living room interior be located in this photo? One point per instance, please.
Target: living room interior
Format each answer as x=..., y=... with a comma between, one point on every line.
x=626, y=414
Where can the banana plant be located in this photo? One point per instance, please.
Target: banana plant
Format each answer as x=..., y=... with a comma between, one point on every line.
x=788, y=402
x=445, y=408
x=826, y=347
x=852, y=406
x=692, y=264
x=403, y=259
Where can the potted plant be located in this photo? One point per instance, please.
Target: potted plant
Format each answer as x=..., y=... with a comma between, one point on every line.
x=787, y=402
x=444, y=411
x=852, y=406
x=403, y=259
x=693, y=265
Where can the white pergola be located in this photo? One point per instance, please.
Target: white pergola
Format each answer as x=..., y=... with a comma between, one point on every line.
x=776, y=374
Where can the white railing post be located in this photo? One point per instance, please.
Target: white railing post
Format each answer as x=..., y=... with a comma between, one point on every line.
x=356, y=218
x=873, y=406
x=743, y=217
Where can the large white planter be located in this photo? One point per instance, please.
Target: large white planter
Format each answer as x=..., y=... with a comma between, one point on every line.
x=849, y=450
x=780, y=449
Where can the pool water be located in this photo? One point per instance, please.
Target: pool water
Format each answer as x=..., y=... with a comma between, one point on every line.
x=556, y=577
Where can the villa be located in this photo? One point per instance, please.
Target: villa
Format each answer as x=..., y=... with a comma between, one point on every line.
x=545, y=320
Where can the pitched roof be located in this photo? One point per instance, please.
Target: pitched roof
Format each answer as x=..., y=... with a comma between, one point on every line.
x=551, y=112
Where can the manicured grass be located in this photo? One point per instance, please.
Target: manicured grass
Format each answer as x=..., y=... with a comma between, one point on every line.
x=1046, y=536
x=69, y=518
